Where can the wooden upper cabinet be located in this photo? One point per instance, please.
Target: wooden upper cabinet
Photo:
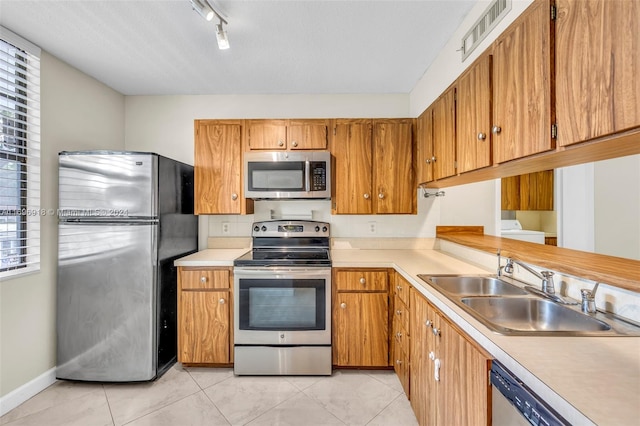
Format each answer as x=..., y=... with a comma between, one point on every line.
x=444, y=135
x=532, y=191
x=351, y=149
x=597, y=63
x=522, y=86
x=393, y=171
x=267, y=134
x=287, y=134
x=473, y=116
x=218, y=168
x=307, y=134
x=424, y=146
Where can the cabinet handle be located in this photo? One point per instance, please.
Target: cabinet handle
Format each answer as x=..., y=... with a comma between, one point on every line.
x=428, y=323
x=398, y=362
x=203, y=279
x=398, y=334
x=294, y=144
x=433, y=158
x=343, y=305
x=280, y=143
x=496, y=129
x=221, y=301
x=234, y=196
x=366, y=196
x=363, y=281
x=436, y=332
x=482, y=136
x=399, y=287
x=436, y=369
x=399, y=312
x=381, y=196
x=428, y=161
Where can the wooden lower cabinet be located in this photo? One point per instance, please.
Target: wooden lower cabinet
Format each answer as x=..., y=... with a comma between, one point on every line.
x=400, y=339
x=449, y=373
x=205, y=316
x=360, y=318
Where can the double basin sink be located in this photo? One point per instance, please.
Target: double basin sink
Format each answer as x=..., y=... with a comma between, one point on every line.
x=506, y=308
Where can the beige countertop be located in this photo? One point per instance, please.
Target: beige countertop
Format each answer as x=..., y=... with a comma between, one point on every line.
x=588, y=380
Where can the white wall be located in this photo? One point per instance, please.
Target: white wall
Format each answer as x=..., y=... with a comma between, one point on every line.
x=77, y=112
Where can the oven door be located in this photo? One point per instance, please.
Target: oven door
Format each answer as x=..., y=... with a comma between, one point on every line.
x=282, y=306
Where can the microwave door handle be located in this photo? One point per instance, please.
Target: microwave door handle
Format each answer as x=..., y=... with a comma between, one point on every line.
x=307, y=177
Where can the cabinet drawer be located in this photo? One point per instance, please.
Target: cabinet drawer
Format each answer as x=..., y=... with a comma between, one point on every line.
x=400, y=336
x=401, y=313
x=401, y=367
x=402, y=289
x=191, y=279
x=364, y=280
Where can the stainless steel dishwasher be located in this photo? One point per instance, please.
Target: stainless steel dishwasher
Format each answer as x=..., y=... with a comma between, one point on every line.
x=513, y=403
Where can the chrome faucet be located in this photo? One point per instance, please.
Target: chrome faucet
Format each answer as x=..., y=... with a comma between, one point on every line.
x=589, y=299
x=547, y=289
x=545, y=276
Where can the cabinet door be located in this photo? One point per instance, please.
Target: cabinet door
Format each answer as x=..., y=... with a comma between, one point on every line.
x=267, y=134
x=218, y=168
x=421, y=371
x=536, y=191
x=473, y=115
x=522, y=98
x=204, y=327
x=510, y=193
x=393, y=171
x=597, y=63
x=444, y=135
x=424, y=146
x=351, y=148
x=361, y=330
x=307, y=134
x=463, y=391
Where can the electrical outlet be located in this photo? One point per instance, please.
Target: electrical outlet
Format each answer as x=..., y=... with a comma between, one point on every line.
x=225, y=227
x=373, y=228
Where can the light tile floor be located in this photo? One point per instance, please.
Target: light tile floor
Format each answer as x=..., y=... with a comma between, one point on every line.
x=212, y=396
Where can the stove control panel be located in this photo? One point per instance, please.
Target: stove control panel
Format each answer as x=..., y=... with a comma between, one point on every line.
x=291, y=228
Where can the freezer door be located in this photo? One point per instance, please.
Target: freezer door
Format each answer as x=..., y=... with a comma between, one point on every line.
x=117, y=185
x=106, y=304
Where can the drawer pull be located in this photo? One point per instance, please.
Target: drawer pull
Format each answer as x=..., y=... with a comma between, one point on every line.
x=343, y=305
x=363, y=281
x=399, y=312
x=221, y=301
x=203, y=280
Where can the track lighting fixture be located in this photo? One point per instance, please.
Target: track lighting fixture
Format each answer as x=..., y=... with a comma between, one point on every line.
x=203, y=9
x=207, y=12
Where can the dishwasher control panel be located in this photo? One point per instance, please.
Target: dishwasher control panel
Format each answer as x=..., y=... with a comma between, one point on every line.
x=532, y=408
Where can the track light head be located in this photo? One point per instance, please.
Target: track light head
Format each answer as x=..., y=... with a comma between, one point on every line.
x=203, y=10
x=221, y=36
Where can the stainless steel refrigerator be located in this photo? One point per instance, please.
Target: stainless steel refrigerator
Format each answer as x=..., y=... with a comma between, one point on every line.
x=124, y=217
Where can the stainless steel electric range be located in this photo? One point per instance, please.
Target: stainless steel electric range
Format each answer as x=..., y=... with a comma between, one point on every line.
x=282, y=300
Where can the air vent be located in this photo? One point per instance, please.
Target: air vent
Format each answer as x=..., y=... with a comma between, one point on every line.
x=483, y=26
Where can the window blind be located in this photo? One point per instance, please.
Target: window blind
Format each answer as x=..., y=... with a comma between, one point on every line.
x=20, y=210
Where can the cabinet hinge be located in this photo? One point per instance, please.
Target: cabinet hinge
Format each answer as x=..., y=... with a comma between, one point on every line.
x=554, y=12
x=455, y=164
x=334, y=131
x=554, y=131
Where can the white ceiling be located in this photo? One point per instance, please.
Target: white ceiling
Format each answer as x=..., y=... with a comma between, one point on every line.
x=157, y=47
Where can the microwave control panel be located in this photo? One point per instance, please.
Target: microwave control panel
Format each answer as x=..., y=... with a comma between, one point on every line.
x=318, y=175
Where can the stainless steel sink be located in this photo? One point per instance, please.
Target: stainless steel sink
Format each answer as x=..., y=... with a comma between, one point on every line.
x=473, y=285
x=527, y=314
x=506, y=308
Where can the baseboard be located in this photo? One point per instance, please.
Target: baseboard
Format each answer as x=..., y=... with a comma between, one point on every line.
x=26, y=391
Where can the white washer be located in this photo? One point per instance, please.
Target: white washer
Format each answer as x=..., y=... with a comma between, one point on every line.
x=513, y=229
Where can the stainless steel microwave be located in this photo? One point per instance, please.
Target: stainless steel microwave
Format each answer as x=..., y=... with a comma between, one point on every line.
x=287, y=174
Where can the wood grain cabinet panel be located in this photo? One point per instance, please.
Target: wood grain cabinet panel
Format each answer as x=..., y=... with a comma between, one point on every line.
x=453, y=387
x=373, y=166
x=205, y=327
x=360, y=317
x=444, y=135
x=424, y=146
x=597, y=61
x=286, y=134
x=361, y=330
x=532, y=191
x=522, y=86
x=218, y=168
x=473, y=116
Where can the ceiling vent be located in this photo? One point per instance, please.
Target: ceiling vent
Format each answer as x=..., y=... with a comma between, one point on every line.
x=483, y=26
